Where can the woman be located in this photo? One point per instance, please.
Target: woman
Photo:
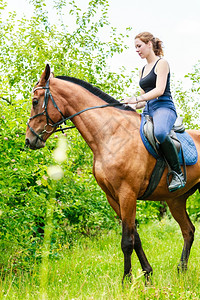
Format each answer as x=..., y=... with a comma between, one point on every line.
x=155, y=91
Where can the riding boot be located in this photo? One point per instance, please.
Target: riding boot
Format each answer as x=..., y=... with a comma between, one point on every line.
x=171, y=155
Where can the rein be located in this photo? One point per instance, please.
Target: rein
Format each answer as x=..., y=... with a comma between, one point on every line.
x=63, y=120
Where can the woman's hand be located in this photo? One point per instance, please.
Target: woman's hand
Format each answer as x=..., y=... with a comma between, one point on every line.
x=133, y=102
x=140, y=104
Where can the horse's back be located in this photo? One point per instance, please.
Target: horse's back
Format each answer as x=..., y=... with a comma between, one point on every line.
x=195, y=134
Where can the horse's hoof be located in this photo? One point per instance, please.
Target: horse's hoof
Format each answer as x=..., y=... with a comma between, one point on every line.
x=127, y=280
x=182, y=268
x=148, y=278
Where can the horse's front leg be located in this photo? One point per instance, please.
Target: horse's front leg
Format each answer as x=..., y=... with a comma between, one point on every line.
x=135, y=242
x=131, y=240
x=146, y=267
x=127, y=244
x=128, y=211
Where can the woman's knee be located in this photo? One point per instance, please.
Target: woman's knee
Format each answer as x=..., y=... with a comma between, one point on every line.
x=160, y=135
x=163, y=120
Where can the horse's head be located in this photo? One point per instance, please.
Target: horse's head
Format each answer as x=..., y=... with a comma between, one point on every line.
x=44, y=113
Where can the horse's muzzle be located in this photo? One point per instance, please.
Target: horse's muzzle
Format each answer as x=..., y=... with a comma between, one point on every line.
x=34, y=143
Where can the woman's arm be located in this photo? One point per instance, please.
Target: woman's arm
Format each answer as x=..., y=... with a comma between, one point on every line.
x=142, y=103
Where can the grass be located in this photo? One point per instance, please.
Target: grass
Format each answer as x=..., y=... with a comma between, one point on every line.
x=93, y=269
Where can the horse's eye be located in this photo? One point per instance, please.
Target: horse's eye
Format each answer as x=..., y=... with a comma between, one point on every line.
x=35, y=102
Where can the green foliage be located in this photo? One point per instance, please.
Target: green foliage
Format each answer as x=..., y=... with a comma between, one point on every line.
x=188, y=100
x=80, y=205
x=148, y=210
x=195, y=77
x=80, y=53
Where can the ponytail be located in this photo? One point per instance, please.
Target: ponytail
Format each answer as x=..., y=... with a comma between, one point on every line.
x=156, y=42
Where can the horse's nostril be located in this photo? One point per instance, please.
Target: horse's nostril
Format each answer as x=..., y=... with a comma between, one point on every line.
x=27, y=142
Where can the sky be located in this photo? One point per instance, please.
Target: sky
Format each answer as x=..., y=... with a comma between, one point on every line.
x=175, y=22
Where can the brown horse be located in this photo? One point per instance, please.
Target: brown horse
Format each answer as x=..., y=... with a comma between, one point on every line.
x=122, y=165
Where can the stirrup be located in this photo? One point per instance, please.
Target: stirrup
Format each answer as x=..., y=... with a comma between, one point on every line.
x=177, y=185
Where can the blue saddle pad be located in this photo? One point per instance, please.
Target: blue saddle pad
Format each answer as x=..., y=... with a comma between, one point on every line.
x=187, y=143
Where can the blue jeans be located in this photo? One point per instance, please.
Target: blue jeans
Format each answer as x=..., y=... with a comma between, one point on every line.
x=163, y=120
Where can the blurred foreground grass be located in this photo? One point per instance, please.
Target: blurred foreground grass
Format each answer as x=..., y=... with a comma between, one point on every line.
x=93, y=269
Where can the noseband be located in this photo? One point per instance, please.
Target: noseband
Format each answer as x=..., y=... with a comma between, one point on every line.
x=63, y=120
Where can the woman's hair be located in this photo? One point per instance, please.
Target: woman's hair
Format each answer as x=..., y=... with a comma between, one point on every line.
x=157, y=43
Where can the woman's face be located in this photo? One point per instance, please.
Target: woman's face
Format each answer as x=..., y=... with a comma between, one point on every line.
x=142, y=49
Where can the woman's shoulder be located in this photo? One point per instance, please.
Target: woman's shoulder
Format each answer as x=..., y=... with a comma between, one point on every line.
x=163, y=64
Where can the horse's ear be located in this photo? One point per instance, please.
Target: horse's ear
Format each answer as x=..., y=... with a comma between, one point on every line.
x=45, y=75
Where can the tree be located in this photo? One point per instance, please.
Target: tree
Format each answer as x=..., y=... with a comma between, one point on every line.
x=24, y=184
x=188, y=101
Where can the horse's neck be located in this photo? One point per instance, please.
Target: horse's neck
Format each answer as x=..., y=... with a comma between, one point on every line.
x=96, y=125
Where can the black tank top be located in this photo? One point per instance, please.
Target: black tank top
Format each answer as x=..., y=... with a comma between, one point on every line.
x=148, y=82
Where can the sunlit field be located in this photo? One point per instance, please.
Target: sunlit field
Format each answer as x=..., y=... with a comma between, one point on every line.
x=93, y=269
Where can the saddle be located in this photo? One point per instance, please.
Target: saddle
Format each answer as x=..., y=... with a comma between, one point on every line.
x=161, y=162
x=148, y=132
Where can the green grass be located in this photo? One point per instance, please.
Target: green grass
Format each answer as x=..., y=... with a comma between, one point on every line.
x=93, y=269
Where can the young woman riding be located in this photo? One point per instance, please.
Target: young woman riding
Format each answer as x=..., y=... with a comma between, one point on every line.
x=158, y=102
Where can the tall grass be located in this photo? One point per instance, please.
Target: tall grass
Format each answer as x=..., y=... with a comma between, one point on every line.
x=93, y=269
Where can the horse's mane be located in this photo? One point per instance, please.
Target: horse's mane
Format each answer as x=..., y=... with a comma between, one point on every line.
x=95, y=91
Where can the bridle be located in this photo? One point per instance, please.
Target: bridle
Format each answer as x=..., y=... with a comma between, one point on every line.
x=54, y=125
x=45, y=113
